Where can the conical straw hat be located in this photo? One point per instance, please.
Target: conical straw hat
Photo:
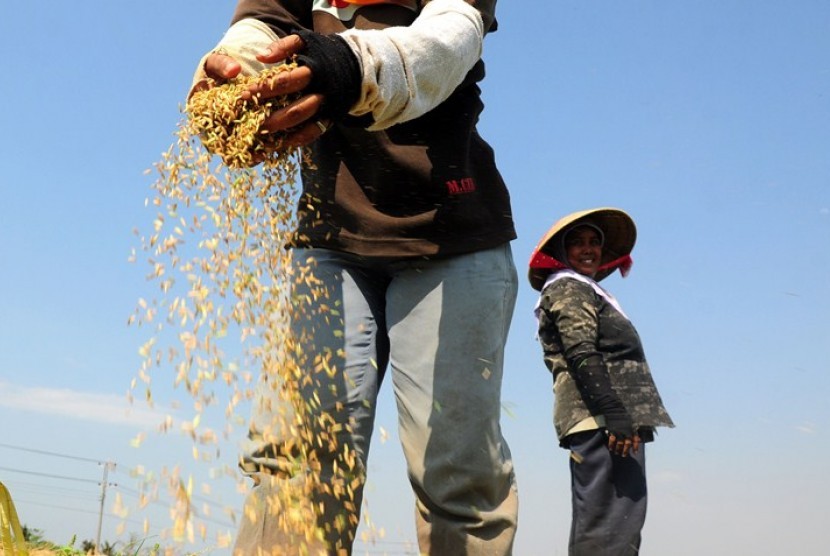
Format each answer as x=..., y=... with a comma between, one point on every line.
x=616, y=225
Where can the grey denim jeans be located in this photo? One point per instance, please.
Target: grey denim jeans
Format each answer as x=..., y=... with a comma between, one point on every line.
x=438, y=326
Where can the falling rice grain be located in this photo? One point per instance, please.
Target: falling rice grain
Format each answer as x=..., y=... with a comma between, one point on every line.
x=224, y=271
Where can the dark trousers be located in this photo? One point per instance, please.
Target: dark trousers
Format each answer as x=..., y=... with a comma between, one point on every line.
x=609, y=497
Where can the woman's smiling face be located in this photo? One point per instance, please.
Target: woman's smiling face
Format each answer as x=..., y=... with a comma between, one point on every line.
x=583, y=247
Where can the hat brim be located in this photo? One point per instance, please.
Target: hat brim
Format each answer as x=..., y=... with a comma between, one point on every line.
x=617, y=226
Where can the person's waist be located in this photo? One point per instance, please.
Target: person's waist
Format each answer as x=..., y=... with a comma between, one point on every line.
x=405, y=246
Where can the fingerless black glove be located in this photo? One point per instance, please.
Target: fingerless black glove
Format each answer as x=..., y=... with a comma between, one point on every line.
x=335, y=72
x=594, y=384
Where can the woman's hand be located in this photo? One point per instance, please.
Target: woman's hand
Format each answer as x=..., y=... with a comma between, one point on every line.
x=623, y=446
x=622, y=439
x=300, y=117
x=297, y=120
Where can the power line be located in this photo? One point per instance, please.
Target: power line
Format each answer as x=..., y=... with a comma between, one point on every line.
x=103, y=482
x=76, y=510
x=127, y=490
x=47, y=453
x=197, y=514
x=51, y=490
x=51, y=476
x=112, y=466
x=193, y=497
x=117, y=468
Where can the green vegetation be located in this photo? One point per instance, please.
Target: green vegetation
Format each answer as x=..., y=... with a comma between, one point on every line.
x=38, y=544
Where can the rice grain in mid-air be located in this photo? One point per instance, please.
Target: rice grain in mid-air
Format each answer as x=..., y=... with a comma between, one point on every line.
x=218, y=253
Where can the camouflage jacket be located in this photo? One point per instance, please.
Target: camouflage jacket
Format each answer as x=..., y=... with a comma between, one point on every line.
x=576, y=322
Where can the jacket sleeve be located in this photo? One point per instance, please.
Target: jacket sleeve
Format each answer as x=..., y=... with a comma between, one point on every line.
x=242, y=41
x=571, y=308
x=405, y=71
x=408, y=71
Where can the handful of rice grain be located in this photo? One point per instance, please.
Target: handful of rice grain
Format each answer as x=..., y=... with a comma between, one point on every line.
x=229, y=126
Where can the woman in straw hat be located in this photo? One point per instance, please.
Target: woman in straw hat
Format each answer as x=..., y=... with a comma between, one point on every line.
x=606, y=404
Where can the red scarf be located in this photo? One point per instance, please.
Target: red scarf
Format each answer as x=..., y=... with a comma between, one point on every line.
x=542, y=261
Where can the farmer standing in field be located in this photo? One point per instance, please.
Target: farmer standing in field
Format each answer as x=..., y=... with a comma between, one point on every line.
x=406, y=221
x=606, y=403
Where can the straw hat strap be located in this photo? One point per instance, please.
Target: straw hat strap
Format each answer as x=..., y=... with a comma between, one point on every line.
x=545, y=262
x=623, y=263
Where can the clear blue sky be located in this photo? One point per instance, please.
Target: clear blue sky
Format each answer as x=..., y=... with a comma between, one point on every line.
x=708, y=121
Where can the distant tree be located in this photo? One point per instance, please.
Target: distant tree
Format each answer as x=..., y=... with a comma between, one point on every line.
x=107, y=548
x=32, y=535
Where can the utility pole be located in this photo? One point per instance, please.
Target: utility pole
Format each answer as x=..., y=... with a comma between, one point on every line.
x=107, y=466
